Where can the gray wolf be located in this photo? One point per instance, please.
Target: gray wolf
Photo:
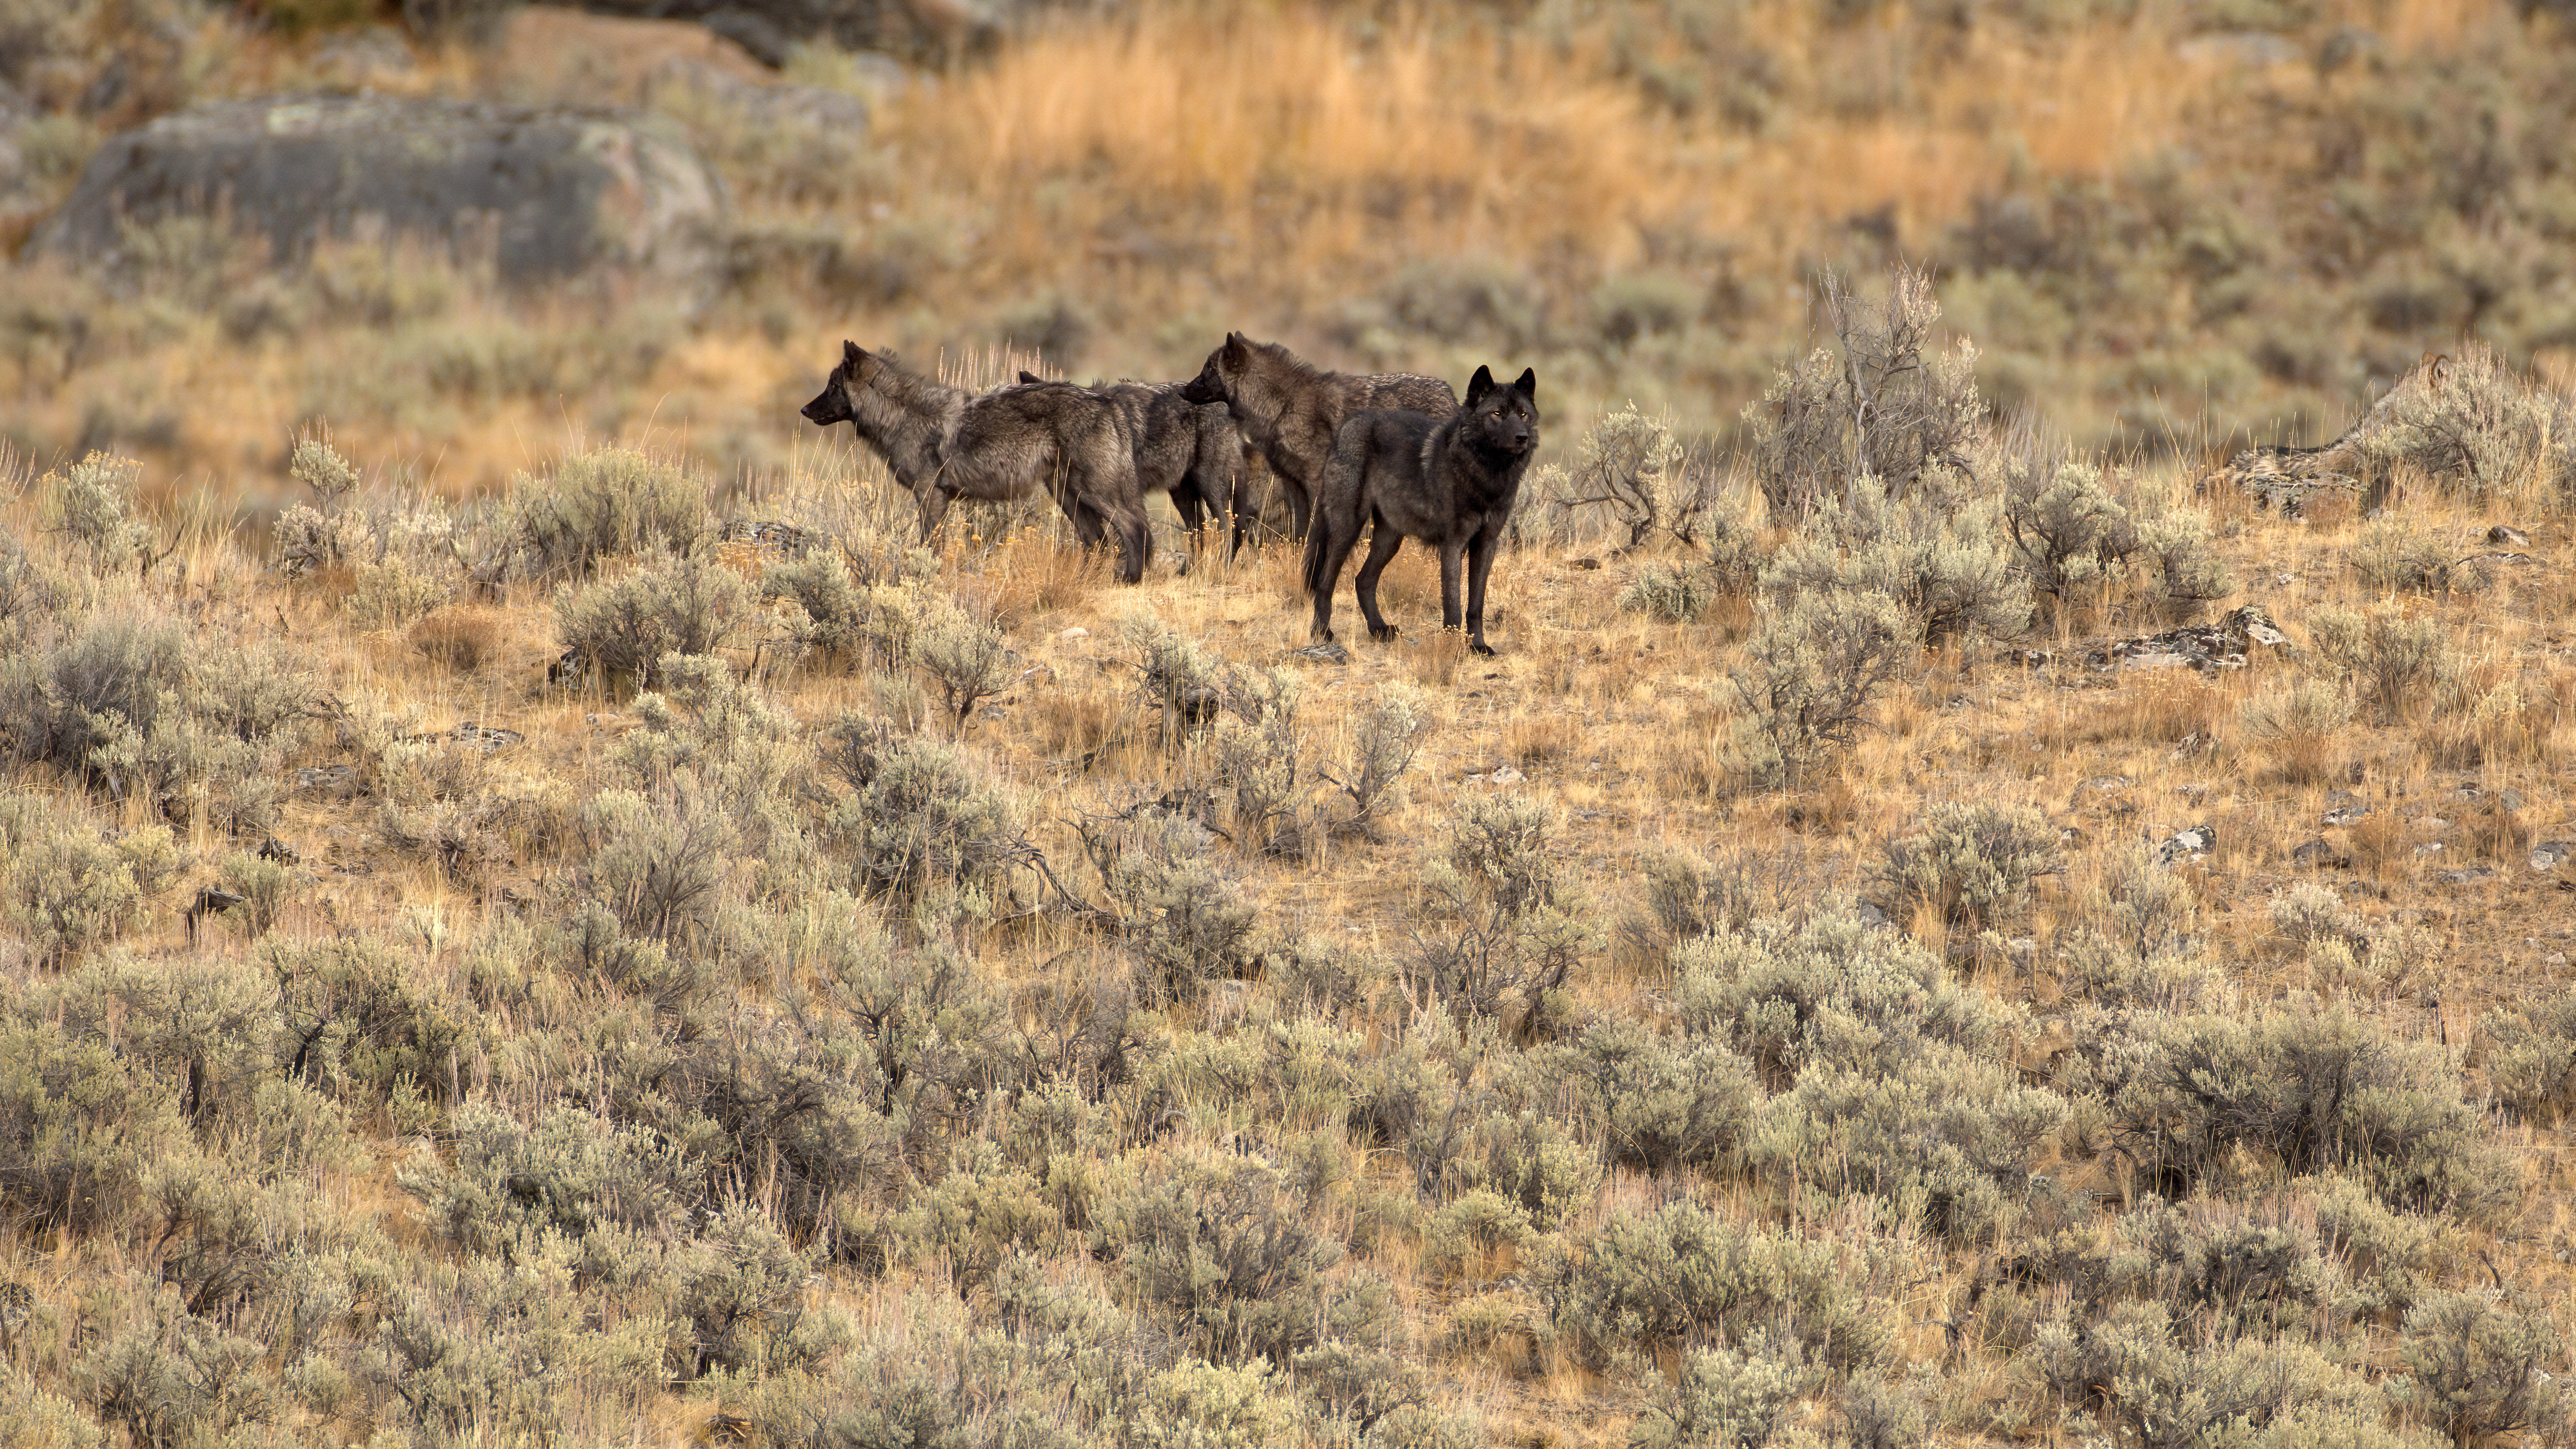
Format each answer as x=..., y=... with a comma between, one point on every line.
x=944, y=443
x=1451, y=484
x=1184, y=449
x=1290, y=409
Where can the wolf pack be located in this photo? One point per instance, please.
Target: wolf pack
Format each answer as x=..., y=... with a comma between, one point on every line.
x=1392, y=455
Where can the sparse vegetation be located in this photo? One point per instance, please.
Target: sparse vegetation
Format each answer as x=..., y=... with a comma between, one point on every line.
x=1891, y=952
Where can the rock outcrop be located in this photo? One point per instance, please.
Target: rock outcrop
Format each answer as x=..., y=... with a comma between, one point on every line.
x=544, y=194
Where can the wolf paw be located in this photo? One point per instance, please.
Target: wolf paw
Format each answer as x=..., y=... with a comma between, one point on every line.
x=1480, y=646
x=1382, y=633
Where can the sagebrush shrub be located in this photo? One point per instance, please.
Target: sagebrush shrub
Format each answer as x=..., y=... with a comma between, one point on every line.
x=2481, y=430
x=1942, y=560
x=2391, y=556
x=2304, y=725
x=93, y=501
x=681, y=605
x=2394, y=660
x=1973, y=863
x=2531, y=1054
x=1885, y=409
x=1505, y=927
x=2482, y=1368
x=596, y=506
x=1184, y=920
x=1684, y=1277
x=1816, y=664
x=1674, y=595
x=926, y=821
x=2315, y=1092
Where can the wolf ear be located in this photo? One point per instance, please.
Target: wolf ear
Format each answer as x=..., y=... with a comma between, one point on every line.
x=1528, y=385
x=1236, y=347
x=1027, y=376
x=850, y=351
x=1479, y=385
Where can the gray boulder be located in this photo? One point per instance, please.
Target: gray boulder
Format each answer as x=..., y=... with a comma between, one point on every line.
x=546, y=194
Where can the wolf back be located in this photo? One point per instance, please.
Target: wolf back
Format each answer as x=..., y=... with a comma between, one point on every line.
x=943, y=443
x=1290, y=409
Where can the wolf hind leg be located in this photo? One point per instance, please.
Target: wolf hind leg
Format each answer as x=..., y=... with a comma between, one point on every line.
x=1328, y=548
x=1382, y=546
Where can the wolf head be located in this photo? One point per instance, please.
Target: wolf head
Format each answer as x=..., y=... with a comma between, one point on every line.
x=1501, y=419
x=1215, y=382
x=832, y=404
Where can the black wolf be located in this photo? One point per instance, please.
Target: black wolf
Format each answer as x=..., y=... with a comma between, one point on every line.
x=944, y=443
x=1451, y=484
x=1185, y=449
x=1290, y=409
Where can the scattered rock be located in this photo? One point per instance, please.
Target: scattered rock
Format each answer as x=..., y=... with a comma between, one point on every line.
x=278, y=851
x=1505, y=776
x=2509, y=800
x=2101, y=785
x=546, y=193
x=1327, y=653
x=781, y=538
x=2507, y=536
x=2225, y=644
x=1869, y=914
x=2468, y=875
x=2317, y=855
x=2186, y=845
x=1077, y=632
x=2194, y=791
x=327, y=779
x=2551, y=854
x=2352, y=814
x=2430, y=847
x=1586, y=562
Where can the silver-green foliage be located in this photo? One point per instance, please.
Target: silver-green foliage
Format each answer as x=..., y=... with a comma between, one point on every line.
x=596, y=506
x=2394, y=660
x=1972, y=862
x=2480, y=428
x=2074, y=528
x=93, y=502
x=2531, y=1053
x=1942, y=559
x=1684, y=1277
x=1505, y=926
x=1887, y=407
x=681, y=605
x=1817, y=662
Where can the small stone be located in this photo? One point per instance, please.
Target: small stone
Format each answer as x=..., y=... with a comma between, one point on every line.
x=2467, y=876
x=2316, y=854
x=2283, y=581
x=2469, y=792
x=2341, y=799
x=2103, y=785
x=2433, y=822
x=1076, y=632
x=2509, y=800
x=2187, y=844
x=2506, y=536
x=1506, y=776
x=2551, y=854
x=2430, y=847
x=2348, y=815
x=1327, y=653
x=1586, y=562
x=1869, y=914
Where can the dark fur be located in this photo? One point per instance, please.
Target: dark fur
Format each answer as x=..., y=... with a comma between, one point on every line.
x=1185, y=449
x=944, y=443
x=1451, y=484
x=1290, y=409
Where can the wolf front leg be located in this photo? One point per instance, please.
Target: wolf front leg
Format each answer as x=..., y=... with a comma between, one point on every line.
x=1480, y=567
